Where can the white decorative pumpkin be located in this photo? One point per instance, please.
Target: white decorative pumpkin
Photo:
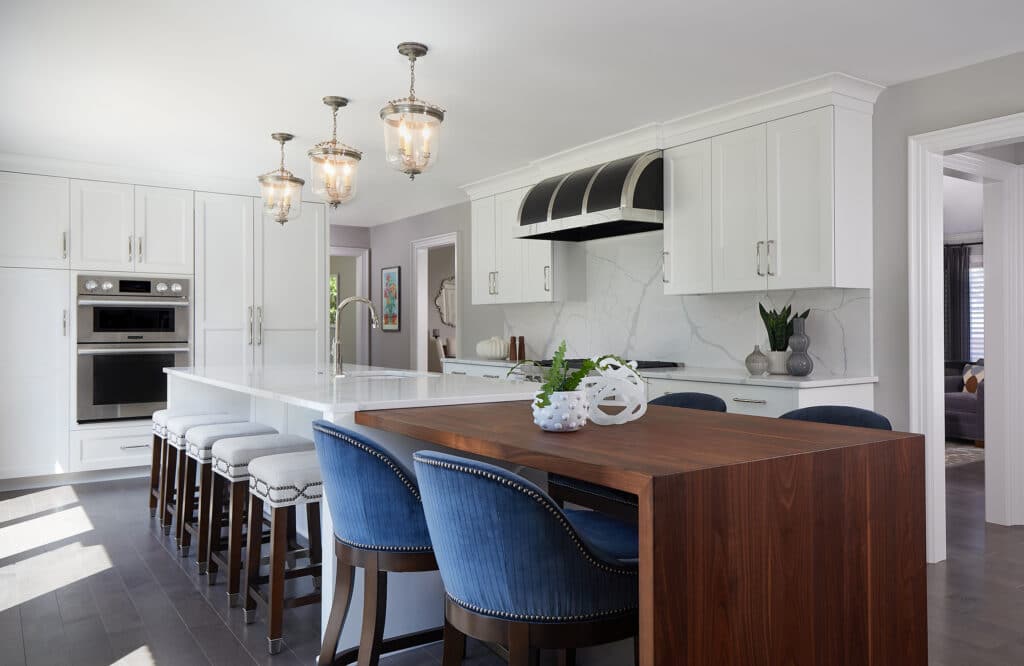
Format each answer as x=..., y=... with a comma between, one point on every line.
x=493, y=348
x=618, y=386
x=566, y=413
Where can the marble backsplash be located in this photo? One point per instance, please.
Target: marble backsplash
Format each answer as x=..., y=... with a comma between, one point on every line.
x=627, y=313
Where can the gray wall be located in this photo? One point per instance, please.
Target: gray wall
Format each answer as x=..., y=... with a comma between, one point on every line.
x=343, y=236
x=345, y=269
x=440, y=265
x=983, y=91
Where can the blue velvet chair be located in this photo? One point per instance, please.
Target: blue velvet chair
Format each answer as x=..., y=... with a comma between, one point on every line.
x=379, y=526
x=840, y=415
x=520, y=571
x=615, y=502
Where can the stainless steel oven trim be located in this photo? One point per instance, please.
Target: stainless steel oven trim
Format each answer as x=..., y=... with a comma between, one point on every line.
x=134, y=302
x=181, y=333
x=86, y=411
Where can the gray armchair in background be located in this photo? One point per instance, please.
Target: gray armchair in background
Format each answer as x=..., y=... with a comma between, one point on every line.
x=965, y=412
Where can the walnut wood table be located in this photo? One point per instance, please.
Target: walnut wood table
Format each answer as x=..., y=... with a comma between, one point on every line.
x=762, y=541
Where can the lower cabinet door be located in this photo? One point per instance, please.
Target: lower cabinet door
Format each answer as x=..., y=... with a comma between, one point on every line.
x=739, y=399
x=111, y=448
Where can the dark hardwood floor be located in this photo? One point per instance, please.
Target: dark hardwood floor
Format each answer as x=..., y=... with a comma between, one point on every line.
x=86, y=578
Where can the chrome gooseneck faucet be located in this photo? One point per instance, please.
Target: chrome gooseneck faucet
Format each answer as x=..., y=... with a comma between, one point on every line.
x=374, y=323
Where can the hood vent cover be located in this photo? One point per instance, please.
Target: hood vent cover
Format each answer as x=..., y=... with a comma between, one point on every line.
x=625, y=196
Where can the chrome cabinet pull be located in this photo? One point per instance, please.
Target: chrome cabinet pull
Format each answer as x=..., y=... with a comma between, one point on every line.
x=664, y=267
x=492, y=376
x=250, y=325
x=750, y=401
x=125, y=447
x=760, y=273
x=768, y=255
x=138, y=249
x=259, y=325
x=457, y=372
x=130, y=246
x=547, y=278
x=490, y=283
x=64, y=324
x=64, y=245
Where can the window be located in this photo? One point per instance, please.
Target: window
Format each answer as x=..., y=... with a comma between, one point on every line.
x=977, y=289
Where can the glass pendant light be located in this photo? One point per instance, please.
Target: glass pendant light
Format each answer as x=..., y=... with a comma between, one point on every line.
x=332, y=164
x=412, y=127
x=280, y=189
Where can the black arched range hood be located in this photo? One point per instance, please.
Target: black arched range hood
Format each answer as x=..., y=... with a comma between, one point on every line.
x=624, y=196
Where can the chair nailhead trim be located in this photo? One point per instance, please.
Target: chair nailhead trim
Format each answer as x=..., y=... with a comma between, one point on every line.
x=539, y=618
x=568, y=482
x=394, y=549
x=553, y=510
x=387, y=461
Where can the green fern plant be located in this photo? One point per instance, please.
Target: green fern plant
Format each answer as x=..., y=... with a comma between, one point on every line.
x=560, y=377
x=780, y=325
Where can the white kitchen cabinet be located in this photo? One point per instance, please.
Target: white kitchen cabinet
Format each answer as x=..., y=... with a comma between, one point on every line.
x=261, y=287
x=482, y=244
x=770, y=401
x=35, y=233
x=34, y=365
x=487, y=370
x=508, y=250
x=738, y=210
x=164, y=230
x=687, y=259
x=110, y=448
x=102, y=226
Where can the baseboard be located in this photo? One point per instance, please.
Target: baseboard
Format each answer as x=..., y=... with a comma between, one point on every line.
x=51, y=480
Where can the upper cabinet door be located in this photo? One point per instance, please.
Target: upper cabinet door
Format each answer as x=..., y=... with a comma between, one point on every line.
x=687, y=260
x=538, y=271
x=291, y=289
x=224, y=312
x=739, y=210
x=164, y=230
x=102, y=227
x=508, y=250
x=35, y=233
x=482, y=255
x=801, y=235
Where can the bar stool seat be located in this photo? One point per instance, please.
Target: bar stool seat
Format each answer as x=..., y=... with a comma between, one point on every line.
x=230, y=460
x=200, y=440
x=282, y=482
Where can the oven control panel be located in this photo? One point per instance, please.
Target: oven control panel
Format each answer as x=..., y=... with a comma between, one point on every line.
x=171, y=287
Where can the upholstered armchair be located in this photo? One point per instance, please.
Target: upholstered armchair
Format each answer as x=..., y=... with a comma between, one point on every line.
x=965, y=412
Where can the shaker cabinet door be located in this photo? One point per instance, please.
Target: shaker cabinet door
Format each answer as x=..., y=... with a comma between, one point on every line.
x=164, y=230
x=687, y=257
x=482, y=241
x=508, y=250
x=739, y=210
x=35, y=233
x=102, y=226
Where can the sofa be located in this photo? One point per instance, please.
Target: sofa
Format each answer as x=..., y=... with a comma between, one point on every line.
x=965, y=412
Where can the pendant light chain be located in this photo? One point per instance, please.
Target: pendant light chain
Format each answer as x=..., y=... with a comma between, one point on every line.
x=334, y=128
x=412, y=77
x=282, y=157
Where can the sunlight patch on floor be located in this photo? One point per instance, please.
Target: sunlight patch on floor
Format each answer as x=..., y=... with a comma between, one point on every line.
x=46, y=529
x=23, y=506
x=44, y=573
x=138, y=657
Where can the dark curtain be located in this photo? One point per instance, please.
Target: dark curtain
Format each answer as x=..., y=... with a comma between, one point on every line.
x=958, y=302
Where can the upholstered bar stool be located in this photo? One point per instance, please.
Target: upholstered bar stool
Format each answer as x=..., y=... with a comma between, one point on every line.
x=174, y=430
x=520, y=571
x=199, y=442
x=617, y=503
x=281, y=482
x=156, y=464
x=378, y=525
x=840, y=415
x=231, y=458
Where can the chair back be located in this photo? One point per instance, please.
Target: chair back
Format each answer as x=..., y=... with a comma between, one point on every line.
x=705, y=401
x=506, y=550
x=840, y=415
x=374, y=499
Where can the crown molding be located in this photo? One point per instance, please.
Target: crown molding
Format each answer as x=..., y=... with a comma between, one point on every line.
x=832, y=89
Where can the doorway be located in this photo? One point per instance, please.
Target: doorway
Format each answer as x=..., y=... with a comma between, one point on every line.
x=1003, y=231
x=435, y=301
x=349, y=275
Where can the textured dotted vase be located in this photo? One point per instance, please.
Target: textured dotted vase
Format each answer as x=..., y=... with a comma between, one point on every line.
x=566, y=413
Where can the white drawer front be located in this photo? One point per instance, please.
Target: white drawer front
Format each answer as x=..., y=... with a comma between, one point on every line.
x=111, y=449
x=474, y=370
x=739, y=399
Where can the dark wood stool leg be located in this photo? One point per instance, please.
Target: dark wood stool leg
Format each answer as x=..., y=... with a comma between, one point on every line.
x=315, y=545
x=155, y=468
x=567, y=657
x=520, y=653
x=216, y=518
x=275, y=599
x=239, y=493
x=205, y=503
x=343, y=577
x=454, y=646
x=186, y=501
x=375, y=598
x=253, y=552
x=167, y=487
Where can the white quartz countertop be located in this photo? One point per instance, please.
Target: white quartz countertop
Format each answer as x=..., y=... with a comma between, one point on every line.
x=363, y=387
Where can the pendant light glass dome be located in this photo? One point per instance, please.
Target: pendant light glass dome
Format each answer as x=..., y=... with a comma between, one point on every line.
x=333, y=164
x=412, y=127
x=280, y=189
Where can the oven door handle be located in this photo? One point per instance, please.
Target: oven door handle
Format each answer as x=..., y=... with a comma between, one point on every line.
x=135, y=302
x=132, y=350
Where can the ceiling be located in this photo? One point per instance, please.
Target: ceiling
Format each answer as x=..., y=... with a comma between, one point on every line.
x=197, y=87
x=962, y=206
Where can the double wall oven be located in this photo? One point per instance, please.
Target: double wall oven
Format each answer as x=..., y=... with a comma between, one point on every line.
x=129, y=330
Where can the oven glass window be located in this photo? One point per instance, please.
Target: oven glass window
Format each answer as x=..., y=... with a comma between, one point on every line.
x=120, y=379
x=107, y=319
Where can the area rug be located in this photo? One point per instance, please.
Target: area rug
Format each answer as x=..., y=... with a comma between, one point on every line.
x=962, y=454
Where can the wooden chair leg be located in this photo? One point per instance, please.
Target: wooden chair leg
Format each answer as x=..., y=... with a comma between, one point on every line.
x=375, y=597
x=205, y=502
x=454, y=646
x=313, y=523
x=167, y=486
x=636, y=649
x=216, y=518
x=239, y=493
x=183, y=498
x=253, y=546
x=343, y=578
x=155, y=469
x=520, y=653
x=567, y=657
x=275, y=599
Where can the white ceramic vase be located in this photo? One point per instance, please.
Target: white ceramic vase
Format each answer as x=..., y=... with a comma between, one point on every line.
x=566, y=413
x=777, y=362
